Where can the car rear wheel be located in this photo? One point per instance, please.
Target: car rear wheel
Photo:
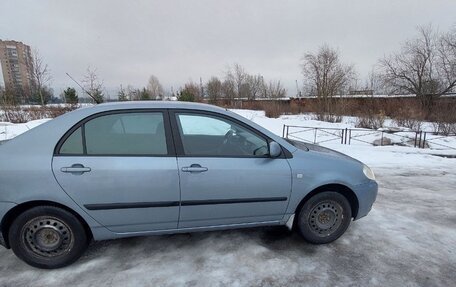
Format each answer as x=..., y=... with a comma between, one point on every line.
x=324, y=217
x=47, y=237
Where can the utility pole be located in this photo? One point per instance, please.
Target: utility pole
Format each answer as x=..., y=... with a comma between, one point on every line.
x=298, y=92
x=201, y=87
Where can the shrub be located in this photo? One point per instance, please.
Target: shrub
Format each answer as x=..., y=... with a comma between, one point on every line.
x=295, y=107
x=17, y=114
x=273, y=110
x=444, y=128
x=370, y=122
x=445, y=120
x=327, y=118
x=413, y=124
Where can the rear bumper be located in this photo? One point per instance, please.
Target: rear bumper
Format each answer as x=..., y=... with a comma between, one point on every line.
x=4, y=208
x=367, y=194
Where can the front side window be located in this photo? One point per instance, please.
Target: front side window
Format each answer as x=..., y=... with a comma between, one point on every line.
x=119, y=134
x=206, y=135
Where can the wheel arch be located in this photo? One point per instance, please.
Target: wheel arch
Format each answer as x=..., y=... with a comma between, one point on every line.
x=339, y=188
x=20, y=208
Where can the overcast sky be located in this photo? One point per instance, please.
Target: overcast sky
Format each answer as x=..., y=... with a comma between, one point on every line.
x=178, y=41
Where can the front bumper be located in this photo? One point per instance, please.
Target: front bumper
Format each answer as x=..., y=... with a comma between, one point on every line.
x=2, y=240
x=367, y=194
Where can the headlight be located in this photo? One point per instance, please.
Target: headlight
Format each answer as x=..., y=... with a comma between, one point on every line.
x=368, y=172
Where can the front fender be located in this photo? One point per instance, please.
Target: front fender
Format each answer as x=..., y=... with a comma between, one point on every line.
x=304, y=185
x=311, y=170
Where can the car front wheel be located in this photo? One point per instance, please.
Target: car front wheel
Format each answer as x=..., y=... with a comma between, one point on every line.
x=47, y=237
x=324, y=217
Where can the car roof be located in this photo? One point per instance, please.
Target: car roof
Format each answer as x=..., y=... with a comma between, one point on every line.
x=158, y=104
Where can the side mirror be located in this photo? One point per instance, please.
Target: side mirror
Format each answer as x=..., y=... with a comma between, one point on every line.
x=274, y=149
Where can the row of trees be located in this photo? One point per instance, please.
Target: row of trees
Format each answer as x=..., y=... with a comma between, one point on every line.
x=424, y=66
x=153, y=91
x=236, y=84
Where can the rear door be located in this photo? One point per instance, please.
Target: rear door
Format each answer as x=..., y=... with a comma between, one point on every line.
x=121, y=167
x=226, y=174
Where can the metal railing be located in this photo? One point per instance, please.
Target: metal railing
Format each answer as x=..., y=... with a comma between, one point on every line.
x=350, y=136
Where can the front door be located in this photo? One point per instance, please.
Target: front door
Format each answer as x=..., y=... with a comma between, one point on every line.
x=122, y=169
x=226, y=174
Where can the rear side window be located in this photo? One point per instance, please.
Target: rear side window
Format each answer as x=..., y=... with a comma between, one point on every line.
x=73, y=144
x=120, y=134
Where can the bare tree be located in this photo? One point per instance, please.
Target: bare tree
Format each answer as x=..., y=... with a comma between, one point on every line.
x=10, y=106
x=228, y=89
x=374, y=82
x=275, y=90
x=425, y=66
x=214, y=89
x=446, y=55
x=4, y=105
x=238, y=77
x=450, y=39
x=326, y=76
x=155, y=88
x=8, y=97
x=256, y=86
x=40, y=76
x=93, y=86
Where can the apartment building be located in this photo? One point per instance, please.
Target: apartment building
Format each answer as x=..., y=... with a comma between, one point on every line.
x=16, y=67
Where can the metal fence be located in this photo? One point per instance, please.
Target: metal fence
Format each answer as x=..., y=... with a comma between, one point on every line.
x=351, y=136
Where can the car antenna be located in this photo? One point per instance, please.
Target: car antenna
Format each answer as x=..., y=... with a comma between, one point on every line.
x=87, y=92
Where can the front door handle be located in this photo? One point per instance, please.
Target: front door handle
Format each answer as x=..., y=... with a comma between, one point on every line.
x=76, y=169
x=194, y=168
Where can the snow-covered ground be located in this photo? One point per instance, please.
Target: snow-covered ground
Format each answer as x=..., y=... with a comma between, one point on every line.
x=408, y=239
x=359, y=137
x=9, y=130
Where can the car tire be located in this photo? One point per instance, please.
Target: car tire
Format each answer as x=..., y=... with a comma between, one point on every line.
x=47, y=237
x=324, y=217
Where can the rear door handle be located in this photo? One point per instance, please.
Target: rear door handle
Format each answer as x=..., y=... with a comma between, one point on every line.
x=194, y=168
x=76, y=169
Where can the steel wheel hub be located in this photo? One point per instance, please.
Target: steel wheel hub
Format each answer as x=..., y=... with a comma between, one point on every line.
x=325, y=218
x=47, y=236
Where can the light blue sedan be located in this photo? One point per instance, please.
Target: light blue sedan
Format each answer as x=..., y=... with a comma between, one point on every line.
x=141, y=168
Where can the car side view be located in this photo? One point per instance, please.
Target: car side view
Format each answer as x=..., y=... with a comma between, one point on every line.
x=143, y=168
